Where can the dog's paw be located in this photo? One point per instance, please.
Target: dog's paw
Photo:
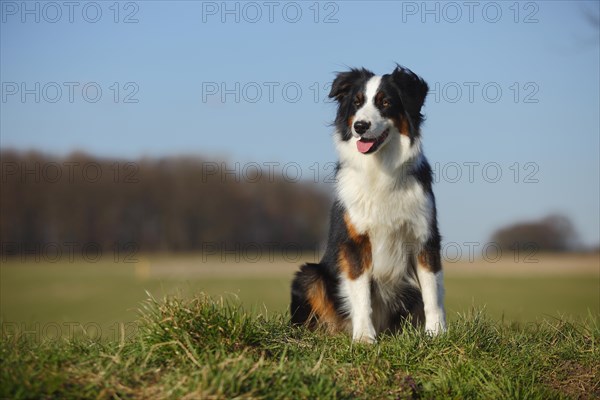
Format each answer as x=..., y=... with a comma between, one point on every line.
x=367, y=339
x=365, y=335
x=434, y=327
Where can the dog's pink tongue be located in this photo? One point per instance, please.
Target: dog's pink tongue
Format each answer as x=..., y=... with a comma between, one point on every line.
x=364, y=146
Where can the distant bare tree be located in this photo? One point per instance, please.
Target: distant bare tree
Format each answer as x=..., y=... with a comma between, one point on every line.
x=553, y=233
x=592, y=17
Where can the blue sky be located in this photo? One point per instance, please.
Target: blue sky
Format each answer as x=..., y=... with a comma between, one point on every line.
x=515, y=90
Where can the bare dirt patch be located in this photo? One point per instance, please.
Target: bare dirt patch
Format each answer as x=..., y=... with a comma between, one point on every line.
x=576, y=380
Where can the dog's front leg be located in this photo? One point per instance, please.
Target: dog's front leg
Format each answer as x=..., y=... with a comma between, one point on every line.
x=358, y=295
x=431, y=280
x=355, y=262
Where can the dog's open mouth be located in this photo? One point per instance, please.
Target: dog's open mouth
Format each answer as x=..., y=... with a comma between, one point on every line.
x=367, y=146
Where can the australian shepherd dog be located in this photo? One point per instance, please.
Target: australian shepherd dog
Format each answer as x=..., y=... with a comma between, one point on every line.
x=382, y=266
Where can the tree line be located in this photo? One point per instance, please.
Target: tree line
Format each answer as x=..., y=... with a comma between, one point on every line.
x=156, y=204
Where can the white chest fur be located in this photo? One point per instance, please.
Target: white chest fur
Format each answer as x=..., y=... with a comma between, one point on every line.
x=388, y=205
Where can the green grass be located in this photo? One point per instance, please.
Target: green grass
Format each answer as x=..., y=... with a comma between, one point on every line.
x=525, y=299
x=536, y=338
x=107, y=294
x=197, y=348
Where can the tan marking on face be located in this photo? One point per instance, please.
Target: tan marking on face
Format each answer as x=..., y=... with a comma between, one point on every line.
x=361, y=98
x=401, y=123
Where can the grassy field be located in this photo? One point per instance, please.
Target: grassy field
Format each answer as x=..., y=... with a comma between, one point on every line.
x=535, y=334
x=106, y=293
x=202, y=349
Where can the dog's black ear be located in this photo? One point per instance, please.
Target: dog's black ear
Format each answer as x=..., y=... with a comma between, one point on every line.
x=413, y=90
x=344, y=81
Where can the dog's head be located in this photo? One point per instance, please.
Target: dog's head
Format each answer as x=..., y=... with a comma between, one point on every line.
x=371, y=108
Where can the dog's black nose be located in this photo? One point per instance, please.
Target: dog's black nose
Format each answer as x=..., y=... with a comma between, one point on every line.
x=361, y=126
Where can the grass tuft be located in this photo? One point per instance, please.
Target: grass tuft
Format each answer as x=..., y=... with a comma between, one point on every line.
x=206, y=348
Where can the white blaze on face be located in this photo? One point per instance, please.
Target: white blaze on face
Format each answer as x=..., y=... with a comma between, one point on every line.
x=369, y=112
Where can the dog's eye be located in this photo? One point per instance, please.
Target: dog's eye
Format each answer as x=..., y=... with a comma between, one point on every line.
x=357, y=102
x=385, y=103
